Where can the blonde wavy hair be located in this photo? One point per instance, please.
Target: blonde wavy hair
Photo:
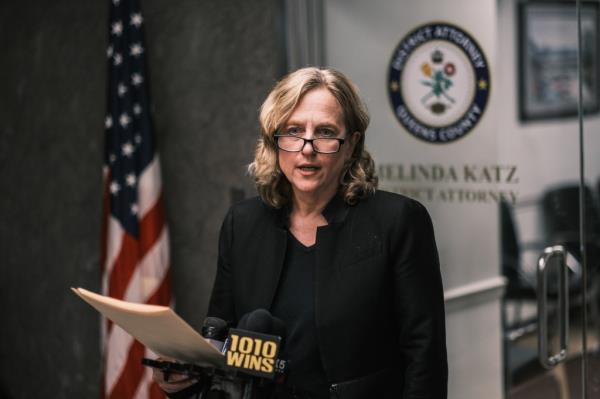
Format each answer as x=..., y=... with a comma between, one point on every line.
x=358, y=179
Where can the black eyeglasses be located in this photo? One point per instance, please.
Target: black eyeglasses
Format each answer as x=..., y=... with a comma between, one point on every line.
x=322, y=145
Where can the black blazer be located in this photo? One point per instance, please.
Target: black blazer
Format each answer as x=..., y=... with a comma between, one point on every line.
x=379, y=307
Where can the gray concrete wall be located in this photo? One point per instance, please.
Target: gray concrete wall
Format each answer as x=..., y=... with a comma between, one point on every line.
x=211, y=64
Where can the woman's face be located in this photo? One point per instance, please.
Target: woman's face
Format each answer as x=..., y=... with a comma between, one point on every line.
x=318, y=114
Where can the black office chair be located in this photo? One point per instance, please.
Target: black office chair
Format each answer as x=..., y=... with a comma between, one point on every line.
x=561, y=217
x=519, y=285
x=519, y=361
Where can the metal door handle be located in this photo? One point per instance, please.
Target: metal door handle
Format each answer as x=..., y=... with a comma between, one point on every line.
x=549, y=361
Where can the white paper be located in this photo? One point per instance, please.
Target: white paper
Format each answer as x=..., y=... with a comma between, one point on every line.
x=157, y=327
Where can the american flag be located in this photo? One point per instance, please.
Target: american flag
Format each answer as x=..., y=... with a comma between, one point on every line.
x=135, y=245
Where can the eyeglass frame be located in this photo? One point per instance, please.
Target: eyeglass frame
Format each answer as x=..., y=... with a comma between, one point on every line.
x=276, y=136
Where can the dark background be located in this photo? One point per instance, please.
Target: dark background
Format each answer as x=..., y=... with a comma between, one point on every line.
x=211, y=64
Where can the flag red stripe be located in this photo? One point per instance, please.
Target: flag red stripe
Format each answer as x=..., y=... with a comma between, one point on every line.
x=156, y=392
x=102, y=381
x=133, y=250
x=123, y=267
x=151, y=226
x=128, y=381
x=105, y=216
x=162, y=296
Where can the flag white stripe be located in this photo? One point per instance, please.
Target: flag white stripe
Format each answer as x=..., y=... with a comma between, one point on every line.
x=114, y=242
x=149, y=186
x=143, y=389
x=117, y=350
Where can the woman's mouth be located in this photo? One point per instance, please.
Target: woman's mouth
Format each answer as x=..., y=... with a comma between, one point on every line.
x=307, y=169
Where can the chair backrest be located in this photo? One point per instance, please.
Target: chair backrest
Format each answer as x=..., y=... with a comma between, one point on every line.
x=509, y=244
x=561, y=212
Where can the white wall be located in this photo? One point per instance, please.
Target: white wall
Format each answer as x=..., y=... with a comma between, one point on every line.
x=360, y=38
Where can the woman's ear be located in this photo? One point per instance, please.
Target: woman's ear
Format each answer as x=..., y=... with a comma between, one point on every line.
x=353, y=141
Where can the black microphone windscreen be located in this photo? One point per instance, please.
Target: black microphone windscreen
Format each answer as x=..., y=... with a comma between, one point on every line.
x=262, y=321
x=214, y=328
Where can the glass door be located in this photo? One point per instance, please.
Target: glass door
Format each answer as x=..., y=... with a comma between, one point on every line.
x=550, y=235
x=589, y=31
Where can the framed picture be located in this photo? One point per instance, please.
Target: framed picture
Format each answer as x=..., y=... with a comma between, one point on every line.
x=548, y=83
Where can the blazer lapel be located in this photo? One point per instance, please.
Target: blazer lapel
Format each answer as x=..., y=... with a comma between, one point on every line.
x=274, y=256
x=271, y=257
x=330, y=241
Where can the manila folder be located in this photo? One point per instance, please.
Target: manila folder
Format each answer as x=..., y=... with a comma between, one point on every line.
x=157, y=327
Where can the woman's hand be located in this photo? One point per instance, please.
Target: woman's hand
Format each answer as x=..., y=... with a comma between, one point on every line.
x=174, y=382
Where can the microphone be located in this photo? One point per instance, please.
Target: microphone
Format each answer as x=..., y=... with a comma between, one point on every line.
x=252, y=349
x=215, y=330
x=252, y=366
x=262, y=321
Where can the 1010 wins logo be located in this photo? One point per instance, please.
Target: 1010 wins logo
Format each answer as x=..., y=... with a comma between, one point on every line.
x=254, y=353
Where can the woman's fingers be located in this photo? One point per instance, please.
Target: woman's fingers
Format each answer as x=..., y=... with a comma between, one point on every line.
x=172, y=382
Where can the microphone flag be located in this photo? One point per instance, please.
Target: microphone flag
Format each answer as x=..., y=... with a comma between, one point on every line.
x=252, y=352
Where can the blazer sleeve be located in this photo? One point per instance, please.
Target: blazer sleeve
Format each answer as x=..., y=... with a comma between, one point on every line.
x=419, y=307
x=221, y=302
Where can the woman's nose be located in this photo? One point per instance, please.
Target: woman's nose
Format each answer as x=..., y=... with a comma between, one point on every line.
x=307, y=148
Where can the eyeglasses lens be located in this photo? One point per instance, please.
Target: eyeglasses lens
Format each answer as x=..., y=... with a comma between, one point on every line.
x=322, y=145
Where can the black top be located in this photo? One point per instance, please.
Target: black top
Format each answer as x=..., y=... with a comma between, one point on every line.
x=376, y=268
x=295, y=305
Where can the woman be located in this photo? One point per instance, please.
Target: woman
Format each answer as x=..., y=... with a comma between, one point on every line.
x=352, y=271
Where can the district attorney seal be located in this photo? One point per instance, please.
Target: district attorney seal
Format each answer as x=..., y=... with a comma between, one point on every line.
x=438, y=82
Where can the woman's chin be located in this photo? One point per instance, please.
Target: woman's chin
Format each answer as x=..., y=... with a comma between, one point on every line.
x=305, y=190
x=310, y=189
